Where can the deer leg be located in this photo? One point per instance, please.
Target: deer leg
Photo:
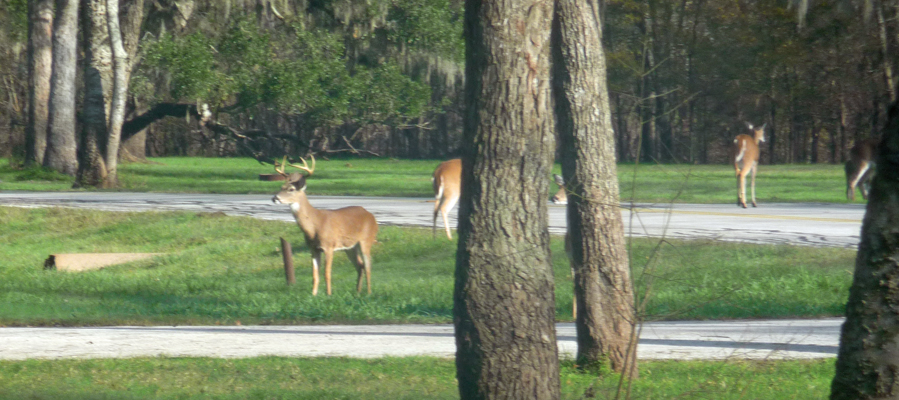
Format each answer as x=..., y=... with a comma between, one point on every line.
x=866, y=184
x=329, y=257
x=434, y=223
x=741, y=189
x=316, y=261
x=859, y=178
x=447, y=206
x=367, y=260
x=755, y=168
x=355, y=256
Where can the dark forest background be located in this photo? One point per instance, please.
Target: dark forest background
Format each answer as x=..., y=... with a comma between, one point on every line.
x=385, y=77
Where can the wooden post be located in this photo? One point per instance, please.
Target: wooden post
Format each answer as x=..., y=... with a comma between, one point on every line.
x=287, y=253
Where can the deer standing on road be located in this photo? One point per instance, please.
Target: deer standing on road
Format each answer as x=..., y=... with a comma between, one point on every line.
x=745, y=155
x=350, y=228
x=860, y=167
x=447, y=180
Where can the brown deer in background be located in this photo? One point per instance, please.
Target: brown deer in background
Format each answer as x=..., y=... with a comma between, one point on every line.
x=745, y=156
x=350, y=228
x=860, y=167
x=447, y=181
x=561, y=197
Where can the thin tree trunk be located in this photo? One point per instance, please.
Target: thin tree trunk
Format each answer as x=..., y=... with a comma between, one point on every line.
x=504, y=305
x=40, y=69
x=61, y=143
x=119, y=91
x=605, y=300
x=887, y=63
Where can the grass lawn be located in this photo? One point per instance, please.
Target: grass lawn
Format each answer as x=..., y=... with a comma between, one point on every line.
x=653, y=183
x=221, y=270
x=386, y=378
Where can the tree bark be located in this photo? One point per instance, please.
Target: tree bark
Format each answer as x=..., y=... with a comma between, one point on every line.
x=97, y=92
x=40, y=69
x=602, y=285
x=504, y=305
x=106, y=76
x=61, y=143
x=867, y=366
x=119, y=91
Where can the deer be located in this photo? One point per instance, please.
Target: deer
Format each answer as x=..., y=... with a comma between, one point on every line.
x=447, y=184
x=860, y=167
x=353, y=229
x=561, y=197
x=745, y=155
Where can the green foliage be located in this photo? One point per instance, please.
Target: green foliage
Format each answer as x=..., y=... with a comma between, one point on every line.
x=189, y=63
x=14, y=18
x=297, y=71
x=385, y=94
x=427, y=25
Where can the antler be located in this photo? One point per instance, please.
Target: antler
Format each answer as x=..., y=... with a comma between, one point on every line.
x=304, y=167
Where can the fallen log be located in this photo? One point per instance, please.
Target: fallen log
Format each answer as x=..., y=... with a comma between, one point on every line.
x=90, y=261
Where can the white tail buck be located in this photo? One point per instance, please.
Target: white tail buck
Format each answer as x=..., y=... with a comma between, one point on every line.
x=860, y=167
x=447, y=189
x=745, y=155
x=350, y=228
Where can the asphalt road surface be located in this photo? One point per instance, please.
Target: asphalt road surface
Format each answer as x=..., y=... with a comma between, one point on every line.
x=711, y=340
x=827, y=225
x=809, y=224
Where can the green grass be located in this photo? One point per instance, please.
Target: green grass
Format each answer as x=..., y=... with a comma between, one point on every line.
x=386, y=378
x=221, y=270
x=391, y=177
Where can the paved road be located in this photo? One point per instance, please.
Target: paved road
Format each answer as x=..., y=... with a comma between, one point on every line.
x=783, y=339
x=799, y=224
x=829, y=225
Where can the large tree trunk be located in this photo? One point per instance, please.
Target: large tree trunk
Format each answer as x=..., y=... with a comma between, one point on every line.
x=605, y=299
x=867, y=365
x=106, y=79
x=97, y=93
x=61, y=143
x=40, y=69
x=504, y=305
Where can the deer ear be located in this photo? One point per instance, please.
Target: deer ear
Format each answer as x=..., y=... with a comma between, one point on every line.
x=298, y=180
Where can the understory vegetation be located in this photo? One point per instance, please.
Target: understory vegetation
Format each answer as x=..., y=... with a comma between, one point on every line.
x=228, y=270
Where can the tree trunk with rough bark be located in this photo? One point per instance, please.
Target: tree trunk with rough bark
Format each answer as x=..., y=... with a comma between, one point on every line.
x=106, y=76
x=867, y=363
x=120, y=68
x=61, y=139
x=40, y=69
x=97, y=92
x=603, y=291
x=504, y=305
